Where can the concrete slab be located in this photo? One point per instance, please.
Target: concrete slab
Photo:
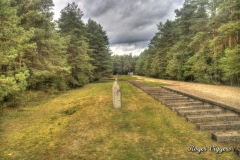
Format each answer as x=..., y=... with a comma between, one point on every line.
x=195, y=107
x=179, y=101
x=224, y=125
x=223, y=137
x=184, y=104
x=177, y=98
x=200, y=112
x=213, y=117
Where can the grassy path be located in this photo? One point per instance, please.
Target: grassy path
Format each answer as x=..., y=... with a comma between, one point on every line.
x=81, y=124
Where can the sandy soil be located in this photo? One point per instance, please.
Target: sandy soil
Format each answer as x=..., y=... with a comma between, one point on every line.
x=222, y=94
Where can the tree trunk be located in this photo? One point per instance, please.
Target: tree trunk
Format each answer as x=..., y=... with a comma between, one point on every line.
x=238, y=79
x=214, y=34
x=230, y=42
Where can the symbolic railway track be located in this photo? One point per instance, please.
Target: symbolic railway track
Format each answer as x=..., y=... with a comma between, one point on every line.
x=222, y=121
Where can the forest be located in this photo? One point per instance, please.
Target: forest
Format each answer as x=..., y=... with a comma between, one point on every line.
x=38, y=53
x=200, y=45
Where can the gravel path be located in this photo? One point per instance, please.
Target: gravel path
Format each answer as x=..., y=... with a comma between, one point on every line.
x=222, y=94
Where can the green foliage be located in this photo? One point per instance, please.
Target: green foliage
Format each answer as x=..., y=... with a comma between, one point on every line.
x=88, y=52
x=116, y=64
x=71, y=19
x=48, y=59
x=99, y=50
x=37, y=53
x=123, y=64
x=140, y=63
x=231, y=66
x=201, y=44
x=14, y=43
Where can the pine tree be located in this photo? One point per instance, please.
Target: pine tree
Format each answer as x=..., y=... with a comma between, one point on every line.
x=229, y=36
x=99, y=50
x=140, y=63
x=116, y=64
x=180, y=51
x=47, y=64
x=14, y=43
x=166, y=37
x=201, y=44
x=72, y=28
x=199, y=65
x=128, y=63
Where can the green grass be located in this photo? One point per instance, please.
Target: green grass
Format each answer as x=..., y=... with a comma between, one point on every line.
x=81, y=124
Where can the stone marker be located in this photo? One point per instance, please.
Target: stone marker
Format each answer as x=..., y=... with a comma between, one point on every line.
x=116, y=94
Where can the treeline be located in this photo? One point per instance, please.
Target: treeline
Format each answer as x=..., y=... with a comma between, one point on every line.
x=201, y=44
x=38, y=53
x=123, y=64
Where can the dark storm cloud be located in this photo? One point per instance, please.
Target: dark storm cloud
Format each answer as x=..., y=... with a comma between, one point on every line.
x=132, y=35
x=126, y=48
x=97, y=8
x=127, y=21
x=131, y=20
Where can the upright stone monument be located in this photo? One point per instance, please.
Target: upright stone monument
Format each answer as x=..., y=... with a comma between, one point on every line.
x=116, y=94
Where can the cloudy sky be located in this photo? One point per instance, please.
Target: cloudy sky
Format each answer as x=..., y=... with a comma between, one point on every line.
x=130, y=24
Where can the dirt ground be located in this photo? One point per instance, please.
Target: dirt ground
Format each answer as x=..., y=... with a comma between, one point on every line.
x=227, y=95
